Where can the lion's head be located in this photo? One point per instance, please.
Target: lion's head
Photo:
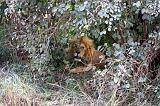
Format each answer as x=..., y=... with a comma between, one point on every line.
x=83, y=48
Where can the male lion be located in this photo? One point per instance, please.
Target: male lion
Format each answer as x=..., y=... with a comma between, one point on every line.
x=83, y=49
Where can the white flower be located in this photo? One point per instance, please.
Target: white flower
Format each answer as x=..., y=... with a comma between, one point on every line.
x=82, y=8
x=141, y=79
x=106, y=21
x=86, y=27
x=126, y=86
x=103, y=13
x=11, y=1
x=137, y=4
x=109, y=28
x=116, y=79
x=143, y=11
x=111, y=10
x=132, y=51
x=86, y=2
x=119, y=73
x=103, y=73
x=110, y=23
x=34, y=17
x=9, y=10
x=103, y=32
x=111, y=19
x=117, y=0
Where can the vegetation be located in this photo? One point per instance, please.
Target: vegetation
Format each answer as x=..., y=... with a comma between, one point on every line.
x=34, y=41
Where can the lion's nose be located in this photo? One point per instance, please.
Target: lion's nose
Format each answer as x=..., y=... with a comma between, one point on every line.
x=78, y=51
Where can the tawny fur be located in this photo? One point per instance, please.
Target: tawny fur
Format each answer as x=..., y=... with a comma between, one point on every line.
x=87, y=50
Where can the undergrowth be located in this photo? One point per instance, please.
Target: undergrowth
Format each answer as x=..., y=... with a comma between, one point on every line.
x=34, y=39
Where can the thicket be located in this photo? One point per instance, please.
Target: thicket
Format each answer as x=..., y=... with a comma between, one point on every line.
x=35, y=37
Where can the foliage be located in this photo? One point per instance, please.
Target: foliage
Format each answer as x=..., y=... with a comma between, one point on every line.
x=129, y=30
x=5, y=54
x=130, y=71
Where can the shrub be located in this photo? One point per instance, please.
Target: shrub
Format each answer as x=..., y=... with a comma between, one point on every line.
x=130, y=29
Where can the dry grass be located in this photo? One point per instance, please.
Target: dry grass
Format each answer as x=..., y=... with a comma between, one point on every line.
x=15, y=91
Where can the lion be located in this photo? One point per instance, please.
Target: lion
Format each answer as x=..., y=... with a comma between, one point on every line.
x=88, y=51
x=83, y=50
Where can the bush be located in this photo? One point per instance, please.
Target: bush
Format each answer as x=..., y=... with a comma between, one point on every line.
x=129, y=30
x=5, y=54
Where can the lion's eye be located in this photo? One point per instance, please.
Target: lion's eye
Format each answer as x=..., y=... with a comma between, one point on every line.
x=81, y=47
